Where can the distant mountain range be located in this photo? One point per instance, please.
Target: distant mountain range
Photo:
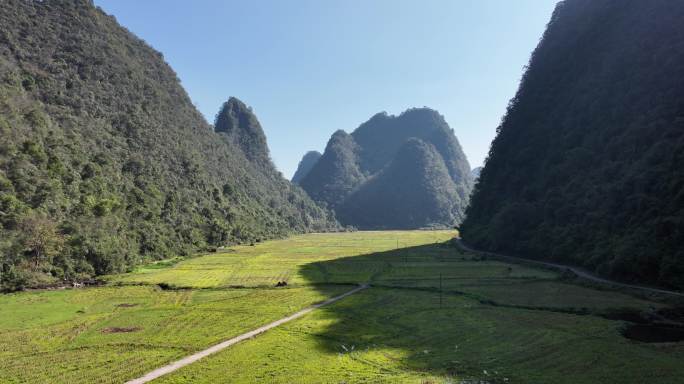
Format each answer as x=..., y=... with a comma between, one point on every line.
x=305, y=165
x=405, y=171
x=475, y=173
x=588, y=164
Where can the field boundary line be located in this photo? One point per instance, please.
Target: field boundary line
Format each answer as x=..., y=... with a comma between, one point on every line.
x=176, y=365
x=577, y=271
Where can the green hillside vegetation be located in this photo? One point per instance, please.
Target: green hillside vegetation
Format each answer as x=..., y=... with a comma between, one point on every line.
x=105, y=162
x=240, y=126
x=432, y=314
x=337, y=173
x=308, y=161
x=363, y=172
x=588, y=164
x=475, y=173
x=413, y=191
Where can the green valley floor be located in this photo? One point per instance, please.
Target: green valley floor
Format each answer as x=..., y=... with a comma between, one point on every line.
x=433, y=314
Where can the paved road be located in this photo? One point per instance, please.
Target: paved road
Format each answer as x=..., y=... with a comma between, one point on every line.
x=218, y=347
x=577, y=271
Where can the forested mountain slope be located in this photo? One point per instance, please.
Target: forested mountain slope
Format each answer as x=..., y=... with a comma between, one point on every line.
x=475, y=173
x=363, y=177
x=240, y=126
x=305, y=165
x=105, y=162
x=588, y=164
x=337, y=173
x=413, y=191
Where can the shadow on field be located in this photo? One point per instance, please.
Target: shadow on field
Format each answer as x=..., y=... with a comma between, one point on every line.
x=397, y=324
x=423, y=316
x=394, y=267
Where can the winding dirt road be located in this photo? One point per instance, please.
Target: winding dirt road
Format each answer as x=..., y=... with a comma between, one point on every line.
x=577, y=271
x=221, y=346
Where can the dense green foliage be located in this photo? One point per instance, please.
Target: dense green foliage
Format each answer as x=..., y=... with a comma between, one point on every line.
x=242, y=129
x=105, y=162
x=405, y=171
x=305, y=165
x=413, y=191
x=588, y=164
x=337, y=173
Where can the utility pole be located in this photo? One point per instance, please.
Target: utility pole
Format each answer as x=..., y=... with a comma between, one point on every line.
x=440, y=291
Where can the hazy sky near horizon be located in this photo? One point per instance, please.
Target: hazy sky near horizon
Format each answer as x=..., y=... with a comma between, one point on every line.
x=311, y=67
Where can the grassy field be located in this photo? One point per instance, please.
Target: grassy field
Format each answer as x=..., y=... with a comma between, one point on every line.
x=433, y=315
x=110, y=334
x=264, y=264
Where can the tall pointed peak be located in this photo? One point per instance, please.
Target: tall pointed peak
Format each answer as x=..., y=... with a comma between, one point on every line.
x=305, y=165
x=230, y=114
x=239, y=123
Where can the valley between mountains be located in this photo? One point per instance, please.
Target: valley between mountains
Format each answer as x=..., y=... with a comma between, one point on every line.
x=143, y=241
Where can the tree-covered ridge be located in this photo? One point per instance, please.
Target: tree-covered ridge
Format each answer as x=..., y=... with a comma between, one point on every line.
x=413, y=191
x=383, y=135
x=105, y=162
x=239, y=124
x=363, y=178
x=588, y=164
x=337, y=172
x=304, y=167
x=475, y=173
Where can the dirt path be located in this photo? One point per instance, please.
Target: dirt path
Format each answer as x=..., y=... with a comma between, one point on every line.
x=221, y=346
x=577, y=271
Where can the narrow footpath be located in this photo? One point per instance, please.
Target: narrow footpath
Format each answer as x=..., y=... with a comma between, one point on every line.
x=176, y=365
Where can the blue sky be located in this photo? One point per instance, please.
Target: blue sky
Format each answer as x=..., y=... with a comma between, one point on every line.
x=311, y=67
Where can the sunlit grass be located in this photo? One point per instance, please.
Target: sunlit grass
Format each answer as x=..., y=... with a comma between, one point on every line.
x=434, y=314
x=265, y=264
x=63, y=336
x=387, y=335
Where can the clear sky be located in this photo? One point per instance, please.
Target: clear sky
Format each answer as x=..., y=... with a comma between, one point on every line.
x=311, y=67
